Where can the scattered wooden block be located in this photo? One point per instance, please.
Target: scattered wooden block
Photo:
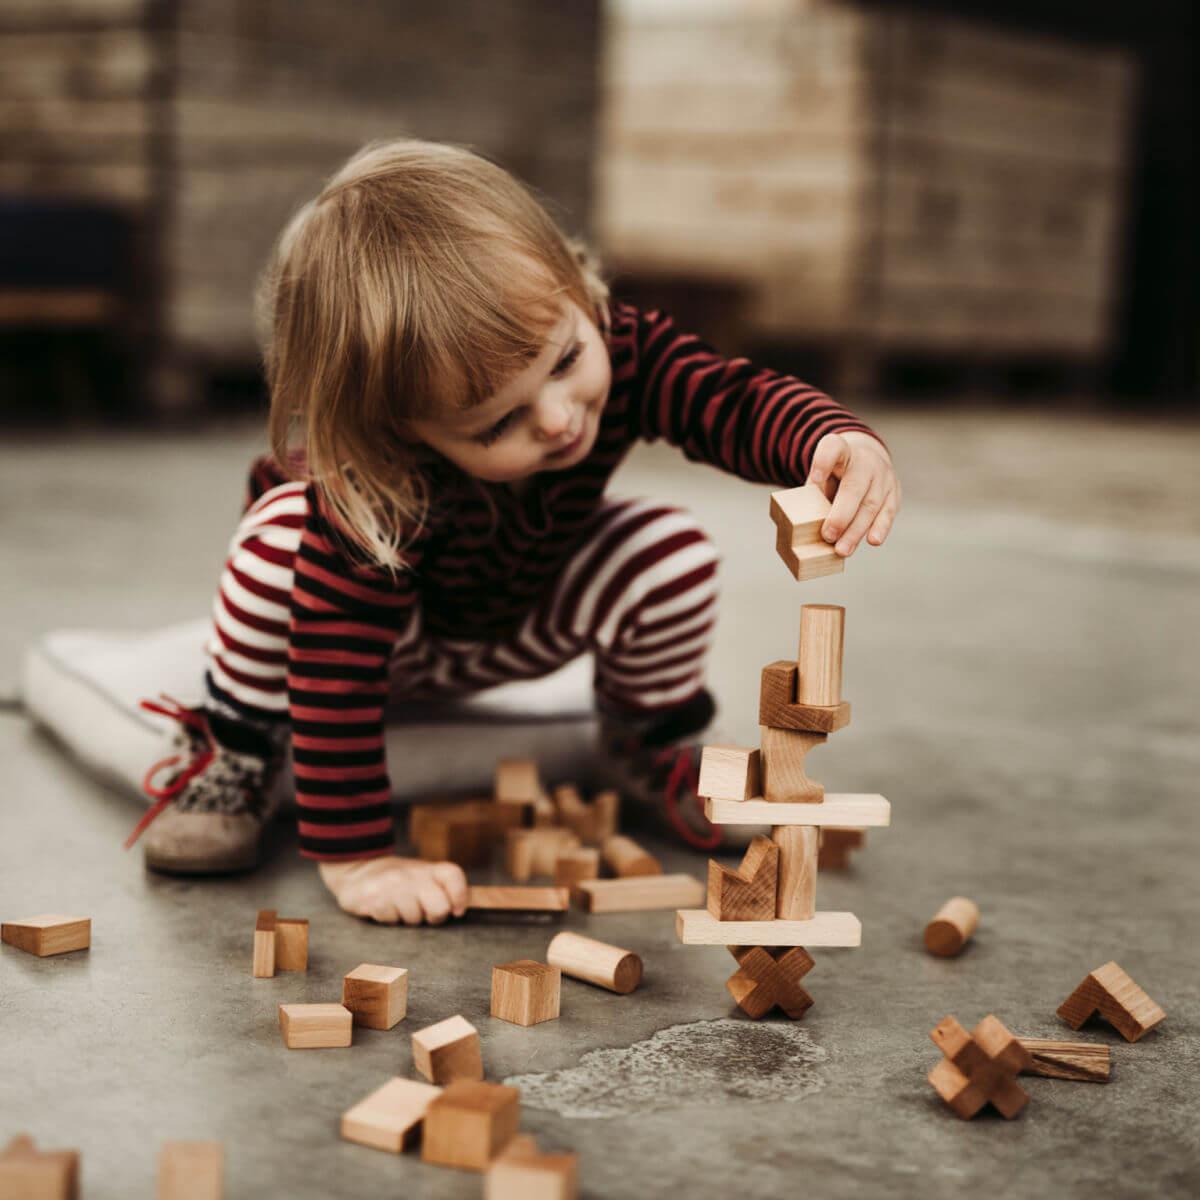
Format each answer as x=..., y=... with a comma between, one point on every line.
x=573, y=865
x=639, y=893
x=469, y=1124
x=265, y=944
x=291, y=944
x=390, y=1117
x=519, y=899
x=530, y=852
x=544, y=816
x=315, y=1026
x=951, y=927
x=783, y=772
x=979, y=1067
x=777, y=706
x=595, y=962
x=770, y=978
x=835, y=844
x=448, y=1051
x=468, y=840
x=522, y=1173
x=730, y=773
x=517, y=782
x=625, y=858
x=697, y=927
x=747, y=894
x=27, y=1173
x=606, y=807
x=798, y=514
x=48, y=933
x=862, y=810
x=822, y=635
x=377, y=996
x=1112, y=994
x=525, y=992
x=1084, y=1062
x=191, y=1171
x=796, y=892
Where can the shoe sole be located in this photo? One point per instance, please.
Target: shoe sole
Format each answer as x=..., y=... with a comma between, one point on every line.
x=185, y=866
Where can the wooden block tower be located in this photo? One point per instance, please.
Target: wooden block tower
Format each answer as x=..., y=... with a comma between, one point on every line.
x=766, y=913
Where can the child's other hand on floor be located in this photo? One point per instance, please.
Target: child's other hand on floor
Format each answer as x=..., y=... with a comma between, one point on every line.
x=856, y=472
x=391, y=889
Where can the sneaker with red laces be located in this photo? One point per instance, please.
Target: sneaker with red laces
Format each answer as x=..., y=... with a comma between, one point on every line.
x=211, y=797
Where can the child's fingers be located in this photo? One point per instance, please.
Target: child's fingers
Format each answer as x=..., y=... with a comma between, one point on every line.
x=829, y=459
x=846, y=503
x=882, y=526
x=435, y=902
x=452, y=879
x=869, y=508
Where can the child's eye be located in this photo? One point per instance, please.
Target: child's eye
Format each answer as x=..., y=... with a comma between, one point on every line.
x=568, y=362
x=489, y=436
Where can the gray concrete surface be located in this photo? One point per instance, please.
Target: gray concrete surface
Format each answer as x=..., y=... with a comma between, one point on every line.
x=1024, y=671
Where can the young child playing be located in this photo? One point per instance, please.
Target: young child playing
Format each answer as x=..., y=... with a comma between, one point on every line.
x=451, y=389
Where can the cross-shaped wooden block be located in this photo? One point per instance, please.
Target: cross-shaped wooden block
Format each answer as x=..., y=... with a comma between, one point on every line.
x=769, y=977
x=979, y=1067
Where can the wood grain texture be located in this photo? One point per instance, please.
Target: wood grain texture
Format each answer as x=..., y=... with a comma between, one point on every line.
x=747, y=893
x=595, y=962
x=376, y=995
x=448, y=1051
x=191, y=1171
x=798, y=514
x=525, y=992
x=48, y=934
x=469, y=1124
x=639, y=893
x=315, y=1026
x=291, y=944
x=783, y=766
x=697, y=927
x=573, y=865
x=263, y=965
x=534, y=852
x=390, y=1117
x=518, y=899
x=770, y=978
x=730, y=772
x=859, y=810
x=796, y=896
x=625, y=858
x=469, y=841
x=1084, y=1062
x=522, y=1172
x=979, y=1067
x=835, y=844
x=952, y=927
x=777, y=706
x=822, y=636
x=1109, y=992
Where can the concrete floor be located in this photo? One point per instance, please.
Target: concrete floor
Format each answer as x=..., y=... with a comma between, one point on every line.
x=1024, y=672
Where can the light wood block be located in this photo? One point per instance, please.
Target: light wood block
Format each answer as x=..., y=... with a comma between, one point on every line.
x=835, y=844
x=390, y=1117
x=1112, y=994
x=979, y=1067
x=448, y=1051
x=798, y=514
x=747, y=894
x=291, y=944
x=315, y=1026
x=517, y=781
x=27, y=1173
x=698, y=927
x=730, y=772
x=796, y=894
x=607, y=806
x=822, y=635
x=48, y=933
x=574, y=865
x=625, y=858
x=519, y=899
x=191, y=1171
x=860, y=810
x=525, y=992
x=951, y=927
x=530, y=852
x=770, y=978
x=469, y=1124
x=376, y=995
x=777, y=706
x=468, y=840
x=783, y=766
x=1084, y=1062
x=639, y=893
x=265, y=944
x=522, y=1173
x=595, y=962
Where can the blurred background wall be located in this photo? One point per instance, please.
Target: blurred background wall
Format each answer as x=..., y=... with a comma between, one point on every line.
x=886, y=198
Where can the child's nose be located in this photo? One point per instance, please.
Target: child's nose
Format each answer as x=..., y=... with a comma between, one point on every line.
x=553, y=417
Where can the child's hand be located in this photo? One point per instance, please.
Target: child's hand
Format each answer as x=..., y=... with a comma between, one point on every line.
x=856, y=472
x=391, y=889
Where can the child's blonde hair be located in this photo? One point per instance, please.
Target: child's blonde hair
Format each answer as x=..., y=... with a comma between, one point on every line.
x=420, y=279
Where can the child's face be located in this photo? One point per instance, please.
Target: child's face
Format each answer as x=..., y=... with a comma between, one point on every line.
x=543, y=419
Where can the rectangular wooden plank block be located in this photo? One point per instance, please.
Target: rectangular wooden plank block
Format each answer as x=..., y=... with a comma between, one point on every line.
x=291, y=944
x=191, y=1171
x=48, y=933
x=859, y=810
x=1086, y=1062
x=639, y=893
x=390, y=1117
x=315, y=1026
x=698, y=927
x=264, y=944
x=519, y=899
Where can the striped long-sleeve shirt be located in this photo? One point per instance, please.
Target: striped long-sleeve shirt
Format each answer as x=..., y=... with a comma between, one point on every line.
x=488, y=553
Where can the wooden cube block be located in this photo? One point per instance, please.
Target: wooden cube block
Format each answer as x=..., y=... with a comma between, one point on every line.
x=191, y=1171
x=730, y=773
x=291, y=944
x=465, y=839
x=315, y=1026
x=390, y=1117
x=574, y=865
x=448, y=1051
x=521, y=1172
x=469, y=1124
x=265, y=944
x=49, y=933
x=27, y=1173
x=526, y=992
x=377, y=996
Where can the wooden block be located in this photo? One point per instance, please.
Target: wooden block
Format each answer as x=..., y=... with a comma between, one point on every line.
x=1111, y=993
x=448, y=1051
x=747, y=894
x=468, y=841
x=48, y=933
x=573, y=865
x=798, y=514
x=517, y=781
x=860, y=810
x=519, y=899
x=783, y=775
x=315, y=1026
x=291, y=944
x=607, y=806
x=469, y=1124
x=390, y=1117
x=624, y=857
x=979, y=1067
x=595, y=962
x=530, y=852
x=730, y=773
x=835, y=844
x=1085, y=1062
x=544, y=815
x=27, y=1173
x=697, y=927
x=822, y=634
x=951, y=927
x=770, y=978
x=191, y=1171
x=265, y=944
x=796, y=895
x=639, y=893
x=572, y=811
x=377, y=996
x=522, y=1173
x=525, y=992
x=778, y=709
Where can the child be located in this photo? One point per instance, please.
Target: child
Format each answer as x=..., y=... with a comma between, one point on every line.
x=461, y=388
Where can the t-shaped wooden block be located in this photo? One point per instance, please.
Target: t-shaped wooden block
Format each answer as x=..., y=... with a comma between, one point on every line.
x=798, y=514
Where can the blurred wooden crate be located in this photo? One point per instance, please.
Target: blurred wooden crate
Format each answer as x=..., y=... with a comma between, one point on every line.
x=889, y=180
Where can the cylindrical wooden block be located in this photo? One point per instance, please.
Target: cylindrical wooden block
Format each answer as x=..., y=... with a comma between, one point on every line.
x=796, y=894
x=625, y=857
x=596, y=962
x=822, y=631
x=951, y=927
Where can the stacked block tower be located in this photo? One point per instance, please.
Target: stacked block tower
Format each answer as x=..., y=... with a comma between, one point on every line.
x=765, y=912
